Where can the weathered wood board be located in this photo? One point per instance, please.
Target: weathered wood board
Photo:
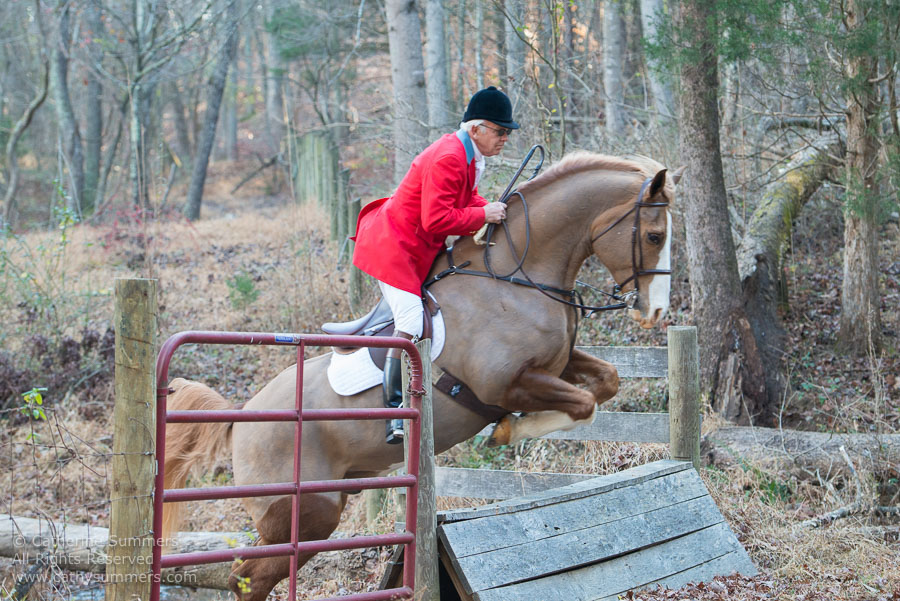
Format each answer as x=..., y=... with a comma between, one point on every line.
x=498, y=484
x=593, y=539
x=614, y=426
x=633, y=361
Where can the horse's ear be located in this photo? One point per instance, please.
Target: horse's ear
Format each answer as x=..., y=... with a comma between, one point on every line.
x=676, y=176
x=659, y=181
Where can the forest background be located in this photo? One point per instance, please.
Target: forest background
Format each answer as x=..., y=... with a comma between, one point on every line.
x=225, y=146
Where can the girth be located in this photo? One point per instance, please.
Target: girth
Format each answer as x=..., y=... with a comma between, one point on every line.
x=462, y=394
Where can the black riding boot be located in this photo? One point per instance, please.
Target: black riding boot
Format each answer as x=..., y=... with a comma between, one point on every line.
x=392, y=394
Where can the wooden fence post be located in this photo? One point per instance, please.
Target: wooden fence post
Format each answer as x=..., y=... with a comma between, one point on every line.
x=356, y=277
x=427, y=588
x=128, y=573
x=684, y=394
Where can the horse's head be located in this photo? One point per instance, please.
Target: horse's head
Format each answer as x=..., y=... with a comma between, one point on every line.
x=634, y=241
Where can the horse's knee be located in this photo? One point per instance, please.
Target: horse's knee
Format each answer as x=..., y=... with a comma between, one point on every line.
x=606, y=385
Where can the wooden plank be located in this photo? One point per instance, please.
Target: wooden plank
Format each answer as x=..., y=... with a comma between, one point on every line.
x=614, y=426
x=609, y=579
x=736, y=561
x=633, y=361
x=393, y=571
x=619, y=426
x=133, y=464
x=451, y=570
x=575, y=549
x=498, y=484
x=577, y=490
x=480, y=535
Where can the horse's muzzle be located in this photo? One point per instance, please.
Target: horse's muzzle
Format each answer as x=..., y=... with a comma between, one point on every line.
x=649, y=321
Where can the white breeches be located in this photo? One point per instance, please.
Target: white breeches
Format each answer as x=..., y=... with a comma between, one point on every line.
x=406, y=307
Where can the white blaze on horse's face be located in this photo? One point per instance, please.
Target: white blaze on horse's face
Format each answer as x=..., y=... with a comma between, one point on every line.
x=657, y=298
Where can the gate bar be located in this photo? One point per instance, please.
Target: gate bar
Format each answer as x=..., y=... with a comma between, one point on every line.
x=274, y=415
x=280, y=550
x=179, y=495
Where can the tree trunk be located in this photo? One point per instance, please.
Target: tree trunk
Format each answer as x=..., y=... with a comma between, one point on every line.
x=229, y=119
x=461, y=91
x=567, y=68
x=408, y=78
x=516, y=79
x=497, y=24
x=479, y=41
x=731, y=373
x=65, y=114
x=182, y=130
x=438, y=90
x=110, y=157
x=213, y=103
x=651, y=16
x=613, y=60
x=85, y=548
x=274, y=79
x=760, y=255
x=137, y=165
x=804, y=453
x=93, y=108
x=12, y=164
x=860, y=328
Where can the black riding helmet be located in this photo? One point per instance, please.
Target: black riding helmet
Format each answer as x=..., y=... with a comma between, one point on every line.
x=492, y=105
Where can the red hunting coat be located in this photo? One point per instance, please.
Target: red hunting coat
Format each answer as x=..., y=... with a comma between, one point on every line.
x=398, y=238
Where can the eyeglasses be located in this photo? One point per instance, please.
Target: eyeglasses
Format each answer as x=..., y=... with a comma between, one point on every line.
x=501, y=131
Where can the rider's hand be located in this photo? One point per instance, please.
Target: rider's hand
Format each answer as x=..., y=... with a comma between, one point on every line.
x=494, y=212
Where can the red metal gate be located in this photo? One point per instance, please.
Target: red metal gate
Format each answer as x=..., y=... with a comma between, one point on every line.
x=295, y=488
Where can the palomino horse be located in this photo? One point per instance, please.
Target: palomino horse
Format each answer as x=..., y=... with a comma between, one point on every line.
x=520, y=357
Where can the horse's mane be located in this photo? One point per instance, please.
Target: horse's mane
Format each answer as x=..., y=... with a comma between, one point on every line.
x=582, y=160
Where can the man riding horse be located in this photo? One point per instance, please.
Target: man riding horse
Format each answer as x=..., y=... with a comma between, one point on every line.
x=398, y=238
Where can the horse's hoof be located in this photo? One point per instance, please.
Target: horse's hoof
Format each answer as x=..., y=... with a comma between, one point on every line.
x=502, y=433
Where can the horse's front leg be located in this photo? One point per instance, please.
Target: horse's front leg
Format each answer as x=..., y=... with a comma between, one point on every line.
x=550, y=404
x=600, y=377
x=556, y=403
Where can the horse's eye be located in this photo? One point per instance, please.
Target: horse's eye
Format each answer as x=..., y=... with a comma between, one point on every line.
x=654, y=238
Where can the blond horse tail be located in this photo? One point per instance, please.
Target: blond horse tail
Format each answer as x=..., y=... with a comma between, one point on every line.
x=191, y=448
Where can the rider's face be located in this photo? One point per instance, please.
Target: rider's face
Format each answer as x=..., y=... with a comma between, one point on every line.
x=489, y=138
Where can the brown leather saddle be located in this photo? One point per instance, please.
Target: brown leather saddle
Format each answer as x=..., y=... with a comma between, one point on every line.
x=378, y=322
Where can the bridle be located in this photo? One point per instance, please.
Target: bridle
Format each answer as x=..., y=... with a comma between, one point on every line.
x=637, y=251
x=622, y=301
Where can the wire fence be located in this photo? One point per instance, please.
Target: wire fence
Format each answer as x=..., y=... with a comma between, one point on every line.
x=55, y=485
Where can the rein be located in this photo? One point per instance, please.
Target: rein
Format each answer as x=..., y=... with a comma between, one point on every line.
x=637, y=257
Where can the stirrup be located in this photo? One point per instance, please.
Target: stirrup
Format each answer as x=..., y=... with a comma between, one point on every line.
x=394, y=431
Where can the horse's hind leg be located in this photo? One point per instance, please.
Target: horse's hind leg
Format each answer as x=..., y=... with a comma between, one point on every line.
x=254, y=579
x=551, y=404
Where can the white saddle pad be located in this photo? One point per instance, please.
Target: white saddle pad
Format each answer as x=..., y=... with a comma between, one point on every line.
x=353, y=373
